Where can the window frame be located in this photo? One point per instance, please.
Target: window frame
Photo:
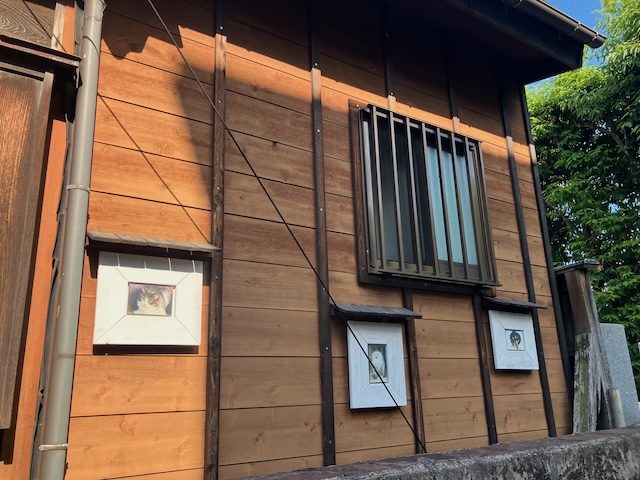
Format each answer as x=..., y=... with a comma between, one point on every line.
x=433, y=278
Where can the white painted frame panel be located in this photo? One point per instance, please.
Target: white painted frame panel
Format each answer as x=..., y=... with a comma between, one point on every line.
x=513, y=341
x=114, y=323
x=364, y=390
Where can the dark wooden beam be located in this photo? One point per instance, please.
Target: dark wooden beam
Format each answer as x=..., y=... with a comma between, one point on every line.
x=555, y=295
x=526, y=261
x=414, y=373
x=214, y=324
x=322, y=256
x=487, y=393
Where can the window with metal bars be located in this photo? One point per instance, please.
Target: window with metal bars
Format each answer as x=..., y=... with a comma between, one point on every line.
x=424, y=201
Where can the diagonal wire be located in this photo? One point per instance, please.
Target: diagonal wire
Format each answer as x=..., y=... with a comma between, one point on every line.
x=324, y=287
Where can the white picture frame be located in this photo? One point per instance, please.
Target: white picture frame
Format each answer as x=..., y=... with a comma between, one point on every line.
x=513, y=341
x=384, y=345
x=144, y=300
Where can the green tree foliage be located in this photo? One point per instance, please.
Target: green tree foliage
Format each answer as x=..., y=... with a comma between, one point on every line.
x=586, y=126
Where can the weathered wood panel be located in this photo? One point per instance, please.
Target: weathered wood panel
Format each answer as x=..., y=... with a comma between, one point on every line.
x=440, y=306
x=450, y=378
x=252, y=435
x=345, y=288
x=263, y=333
x=241, y=470
x=28, y=20
x=519, y=413
x=454, y=418
x=112, y=384
x=250, y=382
x=374, y=454
x=445, y=339
x=120, y=445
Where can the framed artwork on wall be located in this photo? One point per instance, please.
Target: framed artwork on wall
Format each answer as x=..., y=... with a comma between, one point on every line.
x=382, y=343
x=143, y=300
x=513, y=340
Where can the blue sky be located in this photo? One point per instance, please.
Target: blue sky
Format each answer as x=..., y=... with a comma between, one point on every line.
x=585, y=11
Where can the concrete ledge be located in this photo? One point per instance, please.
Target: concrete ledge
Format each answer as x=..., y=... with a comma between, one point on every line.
x=603, y=455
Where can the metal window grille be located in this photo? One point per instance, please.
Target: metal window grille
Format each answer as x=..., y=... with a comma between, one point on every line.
x=424, y=198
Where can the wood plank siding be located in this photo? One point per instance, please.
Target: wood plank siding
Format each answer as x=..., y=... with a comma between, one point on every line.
x=142, y=415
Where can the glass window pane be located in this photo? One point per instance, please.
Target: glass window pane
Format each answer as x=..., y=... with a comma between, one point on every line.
x=404, y=195
x=388, y=191
x=371, y=191
x=422, y=199
x=465, y=205
x=435, y=195
x=452, y=204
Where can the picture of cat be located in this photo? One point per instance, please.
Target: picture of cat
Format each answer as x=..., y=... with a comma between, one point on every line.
x=148, y=299
x=515, y=339
x=378, y=356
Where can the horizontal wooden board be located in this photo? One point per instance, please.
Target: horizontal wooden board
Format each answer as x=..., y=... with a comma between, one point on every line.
x=339, y=214
x=523, y=436
x=259, y=285
x=244, y=196
x=550, y=342
x=271, y=160
x=251, y=382
x=454, y=418
x=132, y=216
x=446, y=339
x=192, y=474
x=268, y=242
x=352, y=81
x=269, y=17
x=450, y=378
x=341, y=248
x=150, y=177
x=524, y=167
x=511, y=276
x=519, y=413
x=125, y=445
x=344, y=458
x=114, y=384
x=263, y=332
x=252, y=435
x=423, y=107
x=267, y=49
x=345, y=288
x=266, y=120
x=126, y=80
x=510, y=383
x=242, y=470
x=442, y=306
x=267, y=83
x=127, y=38
x=482, y=117
x=191, y=21
x=502, y=215
x=499, y=187
x=336, y=141
x=337, y=177
x=457, y=444
x=131, y=126
x=365, y=429
x=562, y=410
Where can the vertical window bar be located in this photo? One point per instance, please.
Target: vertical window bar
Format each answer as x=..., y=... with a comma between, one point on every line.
x=413, y=198
x=463, y=238
x=392, y=129
x=476, y=200
x=376, y=143
x=436, y=265
x=371, y=215
x=447, y=232
x=486, y=224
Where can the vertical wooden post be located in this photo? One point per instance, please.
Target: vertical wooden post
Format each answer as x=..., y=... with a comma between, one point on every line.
x=478, y=311
x=524, y=248
x=555, y=296
x=414, y=372
x=322, y=258
x=212, y=413
x=489, y=411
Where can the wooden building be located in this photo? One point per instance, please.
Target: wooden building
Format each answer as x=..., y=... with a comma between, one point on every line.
x=393, y=139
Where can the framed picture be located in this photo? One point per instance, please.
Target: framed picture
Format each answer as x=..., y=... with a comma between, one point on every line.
x=143, y=300
x=513, y=340
x=382, y=343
